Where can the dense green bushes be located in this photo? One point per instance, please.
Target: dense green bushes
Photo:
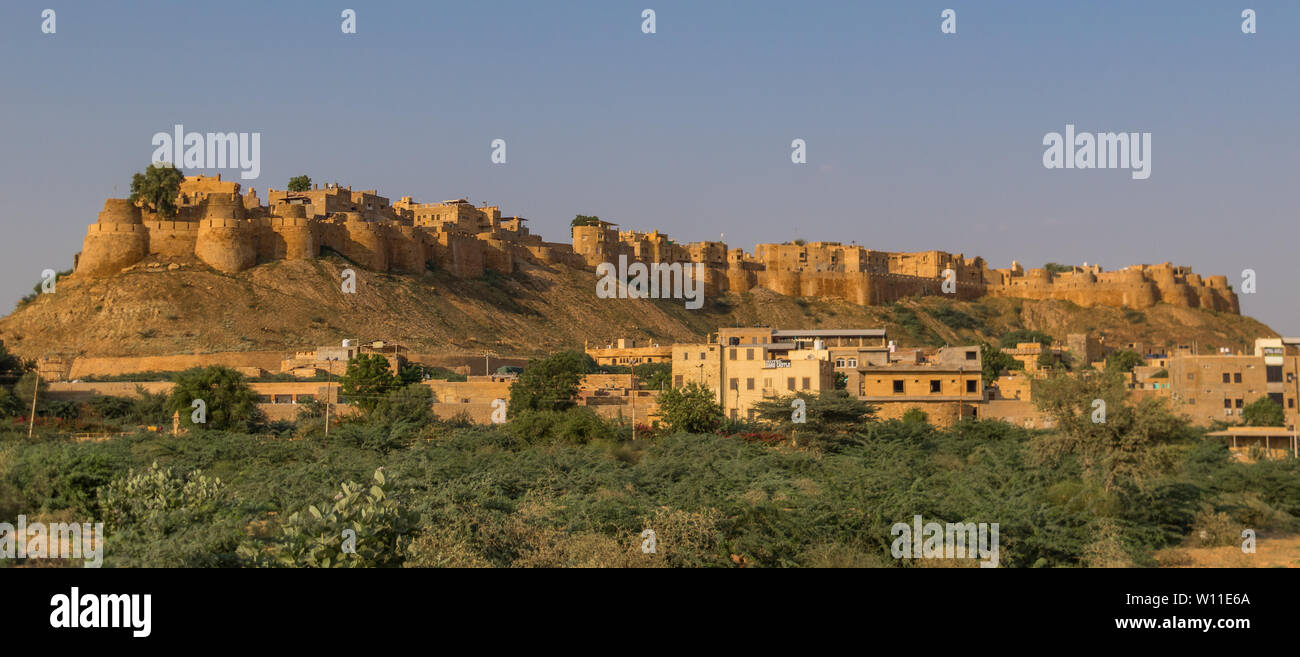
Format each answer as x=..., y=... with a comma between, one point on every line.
x=560, y=488
x=565, y=487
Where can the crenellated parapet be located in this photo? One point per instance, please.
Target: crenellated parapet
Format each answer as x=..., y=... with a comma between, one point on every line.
x=230, y=230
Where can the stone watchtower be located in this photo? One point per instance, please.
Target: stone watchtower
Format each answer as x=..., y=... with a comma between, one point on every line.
x=226, y=241
x=117, y=240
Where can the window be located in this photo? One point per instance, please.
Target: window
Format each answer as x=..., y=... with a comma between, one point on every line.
x=1290, y=402
x=1276, y=397
x=731, y=355
x=1236, y=377
x=701, y=355
x=936, y=386
x=789, y=383
x=749, y=354
x=677, y=381
x=749, y=384
x=853, y=362
x=686, y=355
x=1238, y=403
x=735, y=384
x=1227, y=378
x=767, y=382
x=807, y=383
x=970, y=386
x=898, y=386
x=1227, y=403
x=1273, y=373
x=970, y=355
x=839, y=362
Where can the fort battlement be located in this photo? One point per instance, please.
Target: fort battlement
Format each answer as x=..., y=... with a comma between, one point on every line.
x=231, y=232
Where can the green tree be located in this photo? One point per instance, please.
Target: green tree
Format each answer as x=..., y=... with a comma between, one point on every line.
x=1057, y=268
x=228, y=401
x=1048, y=360
x=158, y=187
x=551, y=383
x=654, y=376
x=1010, y=339
x=1263, y=412
x=150, y=408
x=367, y=379
x=690, y=409
x=10, y=406
x=299, y=184
x=995, y=362
x=1117, y=443
x=9, y=363
x=828, y=420
x=412, y=404
x=575, y=426
x=584, y=220
x=411, y=373
x=23, y=391
x=1123, y=360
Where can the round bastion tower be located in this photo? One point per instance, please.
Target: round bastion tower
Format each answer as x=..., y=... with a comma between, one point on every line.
x=226, y=241
x=296, y=236
x=117, y=240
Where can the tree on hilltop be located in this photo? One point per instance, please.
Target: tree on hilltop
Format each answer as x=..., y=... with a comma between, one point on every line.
x=299, y=184
x=584, y=220
x=158, y=187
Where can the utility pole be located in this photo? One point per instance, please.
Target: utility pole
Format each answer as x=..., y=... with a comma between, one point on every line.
x=31, y=419
x=329, y=376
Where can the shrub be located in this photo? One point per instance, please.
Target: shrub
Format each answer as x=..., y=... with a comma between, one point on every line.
x=360, y=529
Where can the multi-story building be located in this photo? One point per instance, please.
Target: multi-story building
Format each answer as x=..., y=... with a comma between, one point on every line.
x=627, y=353
x=746, y=366
x=1218, y=387
x=947, y=386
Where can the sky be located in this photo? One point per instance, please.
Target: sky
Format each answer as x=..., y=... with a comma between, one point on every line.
x=915, y=139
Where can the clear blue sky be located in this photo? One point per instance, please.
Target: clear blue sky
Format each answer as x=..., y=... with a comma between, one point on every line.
x=916, y=140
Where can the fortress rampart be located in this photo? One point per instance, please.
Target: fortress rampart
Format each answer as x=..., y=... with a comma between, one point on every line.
x=231, y=232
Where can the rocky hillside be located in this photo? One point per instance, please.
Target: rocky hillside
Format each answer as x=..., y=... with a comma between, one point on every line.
x=285, y=305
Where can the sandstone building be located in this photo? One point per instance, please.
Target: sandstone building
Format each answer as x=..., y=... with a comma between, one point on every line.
x=233, y=231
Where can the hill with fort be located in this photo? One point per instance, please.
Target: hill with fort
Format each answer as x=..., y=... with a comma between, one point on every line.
x=228, y=272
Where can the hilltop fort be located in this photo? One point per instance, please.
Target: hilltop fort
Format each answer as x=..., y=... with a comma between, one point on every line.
x=232, y=231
